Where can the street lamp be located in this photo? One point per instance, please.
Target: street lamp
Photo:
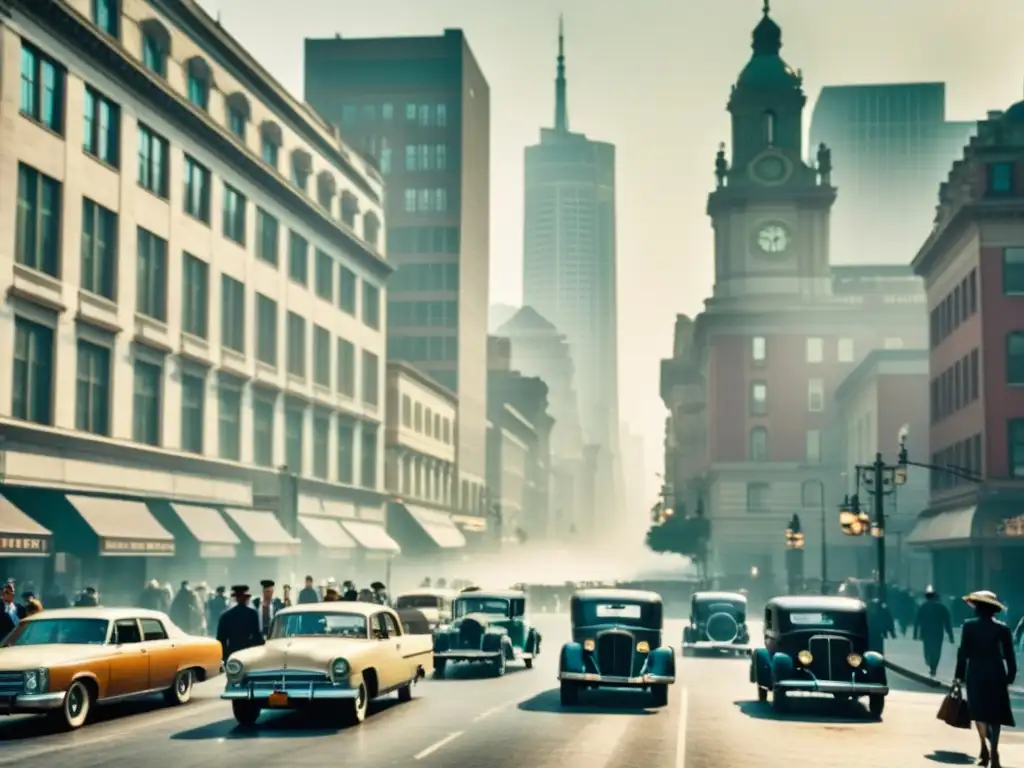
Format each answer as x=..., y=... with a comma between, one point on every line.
x=794, y=552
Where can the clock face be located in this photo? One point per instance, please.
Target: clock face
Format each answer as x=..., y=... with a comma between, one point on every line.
x=773, y=238
x=770, y=169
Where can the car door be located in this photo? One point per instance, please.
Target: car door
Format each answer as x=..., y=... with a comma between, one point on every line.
x=164, y=653
x=129, y=664
x=398, y=668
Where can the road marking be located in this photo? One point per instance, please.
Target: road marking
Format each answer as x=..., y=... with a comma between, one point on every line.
x=437, y=745
x=494, y=710
x=681, y=738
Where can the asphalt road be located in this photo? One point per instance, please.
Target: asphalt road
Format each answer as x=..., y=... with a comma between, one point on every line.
x=712, y=720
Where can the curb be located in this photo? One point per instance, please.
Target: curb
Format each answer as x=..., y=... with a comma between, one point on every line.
x=1016, y=692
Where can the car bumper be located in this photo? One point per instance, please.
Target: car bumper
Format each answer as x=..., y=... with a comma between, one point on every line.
x=28, y=703
x=293, y=693
x=617, y=682
x=711, y=645
x=833, y=686
x=467, y=655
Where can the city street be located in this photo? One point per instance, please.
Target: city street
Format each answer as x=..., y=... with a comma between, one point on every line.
x=712, y=720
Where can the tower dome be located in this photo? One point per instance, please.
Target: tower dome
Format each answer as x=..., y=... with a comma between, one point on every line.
x=766, y=68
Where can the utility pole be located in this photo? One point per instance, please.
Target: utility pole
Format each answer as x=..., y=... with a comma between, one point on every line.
x=879, y=469
x=824, y=543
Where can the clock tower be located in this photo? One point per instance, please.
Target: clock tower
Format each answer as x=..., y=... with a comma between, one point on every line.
x=770, y=210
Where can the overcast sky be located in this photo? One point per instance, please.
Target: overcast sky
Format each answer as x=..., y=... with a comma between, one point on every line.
x=653, y=76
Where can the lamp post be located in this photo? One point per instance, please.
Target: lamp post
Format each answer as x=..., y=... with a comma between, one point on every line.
x=794, y=552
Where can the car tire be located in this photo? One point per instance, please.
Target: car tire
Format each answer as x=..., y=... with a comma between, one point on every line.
x=439, y=665
x=876, y=706
x=180, y=691
x=353, y=711
x=762, y=693
x=246, y=712
x=405, y=693
x=529, y=663
x=500, y=666
x=75, y=708
x=779, y=700
x=569, y=693
x=659, y=693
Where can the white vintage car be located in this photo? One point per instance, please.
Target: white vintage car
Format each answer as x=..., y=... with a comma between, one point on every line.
x=336, y=655
x=435, y=604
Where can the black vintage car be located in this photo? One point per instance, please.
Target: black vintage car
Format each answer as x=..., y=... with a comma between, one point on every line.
x=718, y=624
x=616, y=643
x=818, y=645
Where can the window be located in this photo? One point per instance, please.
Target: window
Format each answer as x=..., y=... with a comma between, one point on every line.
x=298, y=258
x=410, y=201
x=371, y=378
x=844, y=350
x=815, y=350
x=300, y=173
x=321, y=356
x=195, y=296
x=151, y=288
x=387, y=112
x=813, y=450
x=106, y=16
x=442, y=115
x=37, y=240
x=197, y=190
x=146, y=403
x=428, y=423
x=426, y=157
x=193, y=406
x=411, y=157
x=1000, y=178
x=1015, y=448
x=347, y=283
x=324, y=275
x=759, y=444
x=263, y=432
x=1015, y=358
x=237, y=122
x=758, y=398
x=296, y=345
x=266, y=237
x=816, y=395
x=198, y=90
x=759, y=349
x=349, y=210
x=417, y=419
x=346, y=368
x=229, y=418
x=441, y=157
x=410, y=113
x=812, y=494
x=424, y=115
x=757, y=497
x=321, y=441
x=371, y=306
x=234, y=214
x=368, y=445
x=154, y=54
x=232, y=314
x=102, y=135
x=385, y=157
x=266, y=330
x=99, y=249
x=892, y=342
x=371, y=229
x=769, y=128
x=346, y=451
x=294, y=418
x=153, y=154
x=32, y=396
x=406, y=411
x=269, y=151
x=42, y=89
x=1013, y=271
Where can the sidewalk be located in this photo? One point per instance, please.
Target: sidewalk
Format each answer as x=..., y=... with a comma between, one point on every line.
x=905, y=657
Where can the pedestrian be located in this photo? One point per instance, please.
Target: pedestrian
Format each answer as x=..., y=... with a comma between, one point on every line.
x=266, y=606
x=185, y=610
x=32, y=607
x=89, y=598
x=308, y=593
x=215, y=608
x=153, y=598
x=239, y=626
x=9, y=617
x=986, y=662
x=286, y=596
x=332, y=594
x=932, y=622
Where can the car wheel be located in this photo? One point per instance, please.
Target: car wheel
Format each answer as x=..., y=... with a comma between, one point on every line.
x=181, y=691
x=500, y=666
x=528, y=663
x=876, y=705
x=659, y=693
x=75, y=708
x=762, y=693
x=439, y=665
x=779, y=700
x=353, y=711
x=569, y=693
x=405, y=693
x=246, y=712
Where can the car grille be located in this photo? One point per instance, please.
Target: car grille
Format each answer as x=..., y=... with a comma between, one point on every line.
x=830, y=657
x=284, y=677
x=470, y=634
x=12, y=683
x=615, y=654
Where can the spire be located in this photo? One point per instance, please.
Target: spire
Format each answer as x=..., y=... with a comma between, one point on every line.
x=767, y=34
x=561, y=108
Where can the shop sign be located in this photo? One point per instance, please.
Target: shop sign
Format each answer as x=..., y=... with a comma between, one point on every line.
x=217, y=551
x=141, y=547
x=14, y=545
x=1011, y=528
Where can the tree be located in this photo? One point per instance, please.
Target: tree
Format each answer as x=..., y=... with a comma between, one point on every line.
x=681, y=535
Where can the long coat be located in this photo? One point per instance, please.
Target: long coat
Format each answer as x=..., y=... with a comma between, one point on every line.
x=986, y=662
x=238, y=629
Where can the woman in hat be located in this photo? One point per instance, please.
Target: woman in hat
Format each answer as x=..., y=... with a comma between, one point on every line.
x=987, y=663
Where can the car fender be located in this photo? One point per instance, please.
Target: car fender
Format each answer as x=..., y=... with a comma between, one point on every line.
x=782, y=667
x=571, y=658
x=533, y=642
x=874, y=666
x=442, y=641
x=662, y=661
x=760, y=667
x=494, y=640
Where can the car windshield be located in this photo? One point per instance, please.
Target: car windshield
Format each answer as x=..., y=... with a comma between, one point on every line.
x=841, y=621
x=418, y=601
x=495, y=606
x=60, y=631
x=587, y=613
x=315, y=623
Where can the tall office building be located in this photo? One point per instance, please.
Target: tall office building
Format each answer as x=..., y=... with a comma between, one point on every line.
x=421, y=106
x=569, y=265
x=891, y=148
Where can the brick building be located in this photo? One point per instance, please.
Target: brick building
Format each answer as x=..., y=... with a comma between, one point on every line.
x=973, y=268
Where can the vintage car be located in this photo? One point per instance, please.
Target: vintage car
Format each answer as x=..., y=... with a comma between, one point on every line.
x=338, y=655
x=718, y=624
x=63, y=662
x=818, y=645
x=489, y=627
x=616, y=643
x=435, y=604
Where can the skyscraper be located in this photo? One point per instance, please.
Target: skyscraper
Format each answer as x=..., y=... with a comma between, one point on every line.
x=569, y=264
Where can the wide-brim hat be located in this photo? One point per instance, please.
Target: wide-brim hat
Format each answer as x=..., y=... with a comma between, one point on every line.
x=985, y=597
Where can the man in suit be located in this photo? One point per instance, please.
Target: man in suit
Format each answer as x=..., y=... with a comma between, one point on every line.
x=239, y=627
x=9, y=617
x=266, y=606
x=308, y=593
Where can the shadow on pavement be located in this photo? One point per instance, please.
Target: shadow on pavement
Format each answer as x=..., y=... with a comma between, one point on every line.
x=599, y=702
x=22, y=727
x=472, y=671
x=290, y=724
x=807, y=709
x=950, y=758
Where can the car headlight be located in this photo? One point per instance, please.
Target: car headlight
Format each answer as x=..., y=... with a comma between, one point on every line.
x=854, y=660
x=805, y=658
x=37, y=681
x=233, y=668
x=643, y=647
x=339, y=668
x=588, y=645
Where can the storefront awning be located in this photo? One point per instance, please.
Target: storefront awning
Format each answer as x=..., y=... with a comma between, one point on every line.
x=329, y=535
x=210, y=529
x=371, y=536
x=264, y=530
x=951, y=527
x=436, y=527
x=20, y=535
x=126, y=528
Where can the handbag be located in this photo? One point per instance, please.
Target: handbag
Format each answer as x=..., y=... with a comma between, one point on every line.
x=953, y=710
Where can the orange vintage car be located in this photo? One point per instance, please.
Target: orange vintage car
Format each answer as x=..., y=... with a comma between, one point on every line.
x=63, y=662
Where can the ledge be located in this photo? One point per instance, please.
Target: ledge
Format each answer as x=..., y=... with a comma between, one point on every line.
x=97, y=310
x=38, y=287
x=153, y=333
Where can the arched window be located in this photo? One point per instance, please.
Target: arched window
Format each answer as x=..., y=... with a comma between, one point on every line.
x=769, y=128
x=239, y=113
x=371, y=229
x=156, y=46
x=759, y=444
x=271, y=140
x=200, y=81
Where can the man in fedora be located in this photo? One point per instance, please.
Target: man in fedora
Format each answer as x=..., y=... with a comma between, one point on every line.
x=267, y=606
x=932, y=622
x=239, y=625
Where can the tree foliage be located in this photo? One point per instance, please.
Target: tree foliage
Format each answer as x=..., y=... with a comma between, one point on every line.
x=681, y=535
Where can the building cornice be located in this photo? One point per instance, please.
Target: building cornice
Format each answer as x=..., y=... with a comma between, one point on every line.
x=402, y=368
x=874, y=366
x=945, y=237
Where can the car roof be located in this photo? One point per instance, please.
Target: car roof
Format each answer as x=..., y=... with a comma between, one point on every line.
x=817, y=603
x=100, y=612
x=504, y=594
x=336, y=606
x=632, y=595
x=428, y=591
x=732, y=597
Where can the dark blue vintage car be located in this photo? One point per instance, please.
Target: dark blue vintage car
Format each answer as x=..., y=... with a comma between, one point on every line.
x=488, y=627
x=818, y=645
x=718, y=625
x=616, y=643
